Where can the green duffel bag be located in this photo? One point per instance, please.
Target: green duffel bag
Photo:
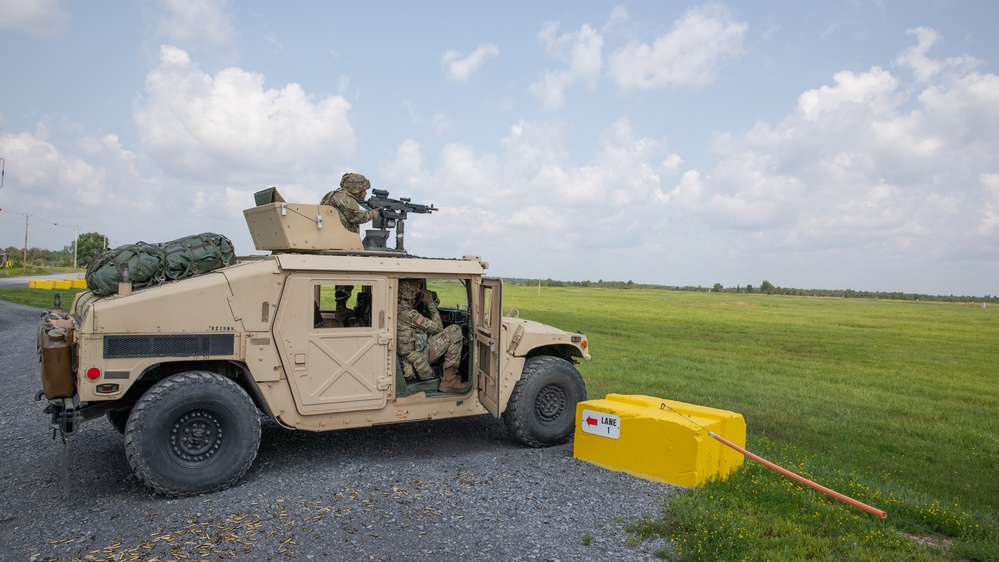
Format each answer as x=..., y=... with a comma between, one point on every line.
x=154, y=264
x=196, y=254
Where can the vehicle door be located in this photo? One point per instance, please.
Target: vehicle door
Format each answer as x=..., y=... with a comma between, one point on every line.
x=487, y=316
x=335, y=363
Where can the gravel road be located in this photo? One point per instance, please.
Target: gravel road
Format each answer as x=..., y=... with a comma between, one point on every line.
x=434, y=490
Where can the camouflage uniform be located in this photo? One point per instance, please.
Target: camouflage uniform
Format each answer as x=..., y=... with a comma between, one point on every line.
x=351, y=217
x=424, y=339
x=345, y=201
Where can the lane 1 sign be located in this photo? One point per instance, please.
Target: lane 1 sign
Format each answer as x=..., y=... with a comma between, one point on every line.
x=599, y=423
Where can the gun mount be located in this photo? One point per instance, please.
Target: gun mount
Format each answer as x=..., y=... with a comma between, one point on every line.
x=392, y=215
x=278, y=226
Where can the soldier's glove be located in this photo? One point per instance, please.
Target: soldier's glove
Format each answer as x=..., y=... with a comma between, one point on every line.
x=428, y=299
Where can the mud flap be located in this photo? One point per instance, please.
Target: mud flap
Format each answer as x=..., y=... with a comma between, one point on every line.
x=65, y=419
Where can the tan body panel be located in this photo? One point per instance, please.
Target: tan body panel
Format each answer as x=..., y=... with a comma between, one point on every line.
x=195, y=305
x=524, y=335
x=411, y=408
x=382, y=264
x=300, y=227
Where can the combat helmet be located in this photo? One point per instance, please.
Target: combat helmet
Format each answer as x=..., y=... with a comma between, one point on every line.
x=409, y=288
x=354, y=183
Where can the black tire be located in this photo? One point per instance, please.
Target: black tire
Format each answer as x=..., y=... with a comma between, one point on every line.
x=192, y=433
x=118, y=419
x=542, y=408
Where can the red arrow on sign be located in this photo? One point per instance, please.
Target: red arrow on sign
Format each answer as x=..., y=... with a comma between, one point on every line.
x=591, y=421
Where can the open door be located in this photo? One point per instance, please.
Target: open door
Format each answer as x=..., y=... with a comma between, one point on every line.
x=487, y=319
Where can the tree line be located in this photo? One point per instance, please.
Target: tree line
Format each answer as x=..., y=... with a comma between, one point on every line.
x=88, y=246
x=766, y=287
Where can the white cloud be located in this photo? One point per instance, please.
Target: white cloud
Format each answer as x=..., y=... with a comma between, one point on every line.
x=701, y=41
x=440, y=123
x=97, y=179
x=988, y=222
x=864, y=163
x=990, y=183
x=194, y=22
x=538, y=217
x=460, y=67
x=691, y=54
x=619, y=15
x=530, y=185
x=580, y=50
x=229, y=127
x=923, y=67
x=875, y=89
x=407, y=168
x=40, y=17
x=40, y=176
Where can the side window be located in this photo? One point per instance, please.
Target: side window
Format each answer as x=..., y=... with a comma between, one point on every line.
x=449, y=293
x=339, y=305
x=487, y=305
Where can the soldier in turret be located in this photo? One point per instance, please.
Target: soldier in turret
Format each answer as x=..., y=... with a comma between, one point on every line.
x=423, y=339
x=353, y=188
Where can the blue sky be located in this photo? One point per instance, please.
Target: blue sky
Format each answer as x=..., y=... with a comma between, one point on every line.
x=822, y=145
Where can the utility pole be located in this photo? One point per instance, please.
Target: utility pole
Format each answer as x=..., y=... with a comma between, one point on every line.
x=24, y=261
x=76, y=242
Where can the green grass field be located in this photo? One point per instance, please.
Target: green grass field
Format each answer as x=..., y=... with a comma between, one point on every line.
x=895, y=403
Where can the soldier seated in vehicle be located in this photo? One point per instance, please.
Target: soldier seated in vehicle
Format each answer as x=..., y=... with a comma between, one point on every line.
x=423, y=338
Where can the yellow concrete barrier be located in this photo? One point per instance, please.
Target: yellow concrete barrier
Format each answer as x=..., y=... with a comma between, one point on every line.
x=77, y=283
x=657, y=439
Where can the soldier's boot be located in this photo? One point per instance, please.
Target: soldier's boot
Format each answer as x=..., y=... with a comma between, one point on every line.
x=342, y=312
x=451, y=382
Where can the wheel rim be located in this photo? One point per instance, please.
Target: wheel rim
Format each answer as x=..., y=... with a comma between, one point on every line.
x=550, y=404
x=196, y=437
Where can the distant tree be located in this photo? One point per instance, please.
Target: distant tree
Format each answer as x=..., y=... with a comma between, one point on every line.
x=749, y=288
x=43, y=256
x=718, y=288
x=89, y=245
x=766, y=287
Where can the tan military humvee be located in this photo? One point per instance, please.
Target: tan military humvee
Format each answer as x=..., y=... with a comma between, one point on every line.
x=184, y=369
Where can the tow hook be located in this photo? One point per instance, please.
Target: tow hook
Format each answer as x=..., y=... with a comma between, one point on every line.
x=65, y=418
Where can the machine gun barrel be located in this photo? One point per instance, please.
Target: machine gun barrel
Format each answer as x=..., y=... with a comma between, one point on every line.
x=391, y=214
x=380, y=200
